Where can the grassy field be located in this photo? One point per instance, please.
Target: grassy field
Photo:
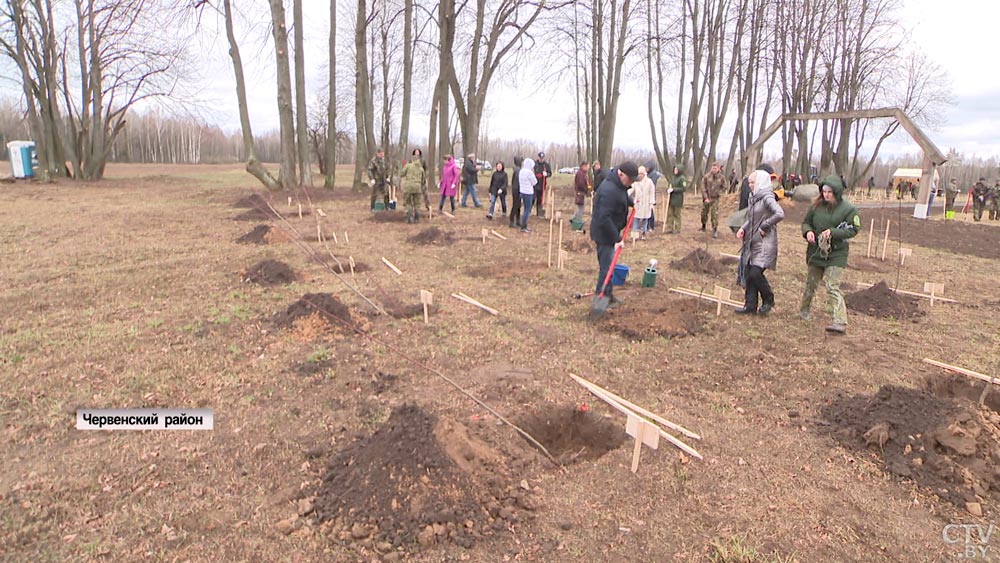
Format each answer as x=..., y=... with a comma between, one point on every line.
x=129, y=293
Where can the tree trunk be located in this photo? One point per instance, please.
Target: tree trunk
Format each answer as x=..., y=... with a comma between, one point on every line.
x=362, y=97
x=331, y=108
x=404, y=122
x=254, y=167
x=286, y=121
x=300, y=97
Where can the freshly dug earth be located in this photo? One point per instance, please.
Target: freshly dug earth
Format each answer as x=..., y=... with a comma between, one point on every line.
x=431, y=235
x=649, y=314
x=700, y=262
x=416, y=481
x=947, y=444
x=399, y=310
x=322, y=304
x=880, y=301
x=582, y=245
x=252, y=201
x=571, y=434
x=255, y=215
x=264, y=234
x=270, y=272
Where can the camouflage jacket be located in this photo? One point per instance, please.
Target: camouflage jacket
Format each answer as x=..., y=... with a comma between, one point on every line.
x=377, y=170
x=713, y=185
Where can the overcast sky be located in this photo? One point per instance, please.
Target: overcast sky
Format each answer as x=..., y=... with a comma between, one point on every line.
x=960, y=36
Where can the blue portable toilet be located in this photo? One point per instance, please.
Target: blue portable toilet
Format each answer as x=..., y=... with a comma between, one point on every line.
x=21, y=154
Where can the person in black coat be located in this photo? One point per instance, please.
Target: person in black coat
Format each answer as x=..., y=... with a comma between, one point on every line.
x=515, y=187
x=498, y=189
x=543, y=171
x=611, y=203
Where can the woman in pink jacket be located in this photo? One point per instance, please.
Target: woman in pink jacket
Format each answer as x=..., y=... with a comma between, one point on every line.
x=449, y=182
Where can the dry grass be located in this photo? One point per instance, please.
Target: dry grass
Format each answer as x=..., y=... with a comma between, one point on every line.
x=127, y=293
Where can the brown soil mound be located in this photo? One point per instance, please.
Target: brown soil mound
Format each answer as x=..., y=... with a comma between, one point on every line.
x=399, y=310
x=945, y=443
x=700, y=262
x=880, y=301
x=581, y=245
x=255, y=215
x=505, y=270
x=252, y=201
x=389, y=216
x=270, y=272
x=322, y=303
x=264, y=234
x=572, y=435
x=648, y=315
x=418, y=480
x=431, y=235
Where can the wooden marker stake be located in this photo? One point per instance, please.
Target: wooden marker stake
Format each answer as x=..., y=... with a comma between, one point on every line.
x=903, y=253
x=335, y=241
x=289, y=201
x=498, y=235
x=346, y=240
x=560, y=235
x=885, y=241
x=644, y=432
x=871, y=234
x=486, y=233
x=391, y=266
x=350, y=260
x=319, y=232
x=934, y=289
x=320, y=212
x=426, y=299
x=562, y=258
x=551, y=226
x=300, y=211
x=721, y=294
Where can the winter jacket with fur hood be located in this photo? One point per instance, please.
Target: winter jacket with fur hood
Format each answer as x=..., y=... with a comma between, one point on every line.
x=763, y=215
x=842, y=219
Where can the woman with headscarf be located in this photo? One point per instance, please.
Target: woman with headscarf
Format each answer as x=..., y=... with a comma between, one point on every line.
x=760, y=244
x=828, y=225
x=526, y=185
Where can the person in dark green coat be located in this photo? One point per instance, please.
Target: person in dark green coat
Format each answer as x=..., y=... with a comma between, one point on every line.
x=676, y=194
x=829, y=224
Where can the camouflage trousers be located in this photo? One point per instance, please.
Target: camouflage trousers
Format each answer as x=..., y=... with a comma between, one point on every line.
x=674, y=218
x=710, y=209
x=835, y=298
x=413, y=202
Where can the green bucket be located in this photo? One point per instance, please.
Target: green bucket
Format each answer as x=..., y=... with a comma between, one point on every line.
x=949, y=214
x=649, y=278
x=379, y=206
x=577, y=224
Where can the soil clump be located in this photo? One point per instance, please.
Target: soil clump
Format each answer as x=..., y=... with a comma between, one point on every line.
x=880, y=301
x=699, y=261
x=270, y=272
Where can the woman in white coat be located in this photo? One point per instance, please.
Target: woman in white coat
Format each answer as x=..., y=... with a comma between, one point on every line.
x=643, y=193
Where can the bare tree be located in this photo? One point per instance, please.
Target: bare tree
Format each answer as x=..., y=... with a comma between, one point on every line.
x=286, y=121
x=331, y=106
x=301, y=117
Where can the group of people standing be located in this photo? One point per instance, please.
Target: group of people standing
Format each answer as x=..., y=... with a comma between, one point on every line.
x=985, y=197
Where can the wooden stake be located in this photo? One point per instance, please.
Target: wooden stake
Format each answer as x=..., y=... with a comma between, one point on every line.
x=727, y=255
x=644, y=432
x=903, y=253
x=320, y=212
x=486, y=233
x=347, y=240
x=300, y=211
x=563, y=255
x=319, y=232
x=705, y=296
x=593, y=387
x=448, y=214
x=934, y=289
x=289, y=201
x=962, y=371
x=498, y=235
x=551, y=225
x=471, y=301
x=391, y=266
x=560, y=235
x=335, y=241
x=350, y=260
x=721, y=294
x=426, y=298
x=941, y=299
x=871, y=234
x=885, y=241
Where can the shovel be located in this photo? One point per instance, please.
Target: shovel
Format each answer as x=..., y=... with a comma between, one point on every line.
x=601, y=302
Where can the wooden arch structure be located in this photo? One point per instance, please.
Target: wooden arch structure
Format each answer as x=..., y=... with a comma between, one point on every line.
x=932, y=156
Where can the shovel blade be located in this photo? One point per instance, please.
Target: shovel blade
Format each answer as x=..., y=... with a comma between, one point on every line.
x=599, y=306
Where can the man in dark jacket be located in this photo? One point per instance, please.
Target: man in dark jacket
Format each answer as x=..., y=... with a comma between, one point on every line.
x=598, y=174
x=611, y=203
x=581, y=189
x=979, y=193
x=829, y=223
x=543, y=171
x=470, y=177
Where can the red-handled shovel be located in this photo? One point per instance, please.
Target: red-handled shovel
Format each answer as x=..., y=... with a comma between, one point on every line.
x=601, y=302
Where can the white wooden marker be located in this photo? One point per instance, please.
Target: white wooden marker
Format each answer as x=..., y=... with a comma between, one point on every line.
x=721, y=294
x=426, y=299
x=644, y=432
x=934, y=289
x=486, y=233
x=903, y=253
x=885, y=241
x=391, y=266
x=350, y=260
x=871, y=234
x=563, y=255
x=498, y=235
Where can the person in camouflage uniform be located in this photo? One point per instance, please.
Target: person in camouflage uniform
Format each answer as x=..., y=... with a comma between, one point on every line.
x=412, y=176
x=377, y=178
x=676, y=202
x=993, y=201
x=713, y=185
x=951, y=192
x=979, y=192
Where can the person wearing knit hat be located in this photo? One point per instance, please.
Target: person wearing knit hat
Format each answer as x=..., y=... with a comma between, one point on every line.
x=543, y=171
x=610, y=213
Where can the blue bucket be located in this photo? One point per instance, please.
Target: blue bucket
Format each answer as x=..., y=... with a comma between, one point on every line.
x=620, y=275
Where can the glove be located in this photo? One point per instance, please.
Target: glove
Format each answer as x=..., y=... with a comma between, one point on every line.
x=545, y=174
x=371, y=183
x=619, y=244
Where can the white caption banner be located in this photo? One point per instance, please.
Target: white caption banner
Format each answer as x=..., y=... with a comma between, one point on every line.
x=145, y=419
